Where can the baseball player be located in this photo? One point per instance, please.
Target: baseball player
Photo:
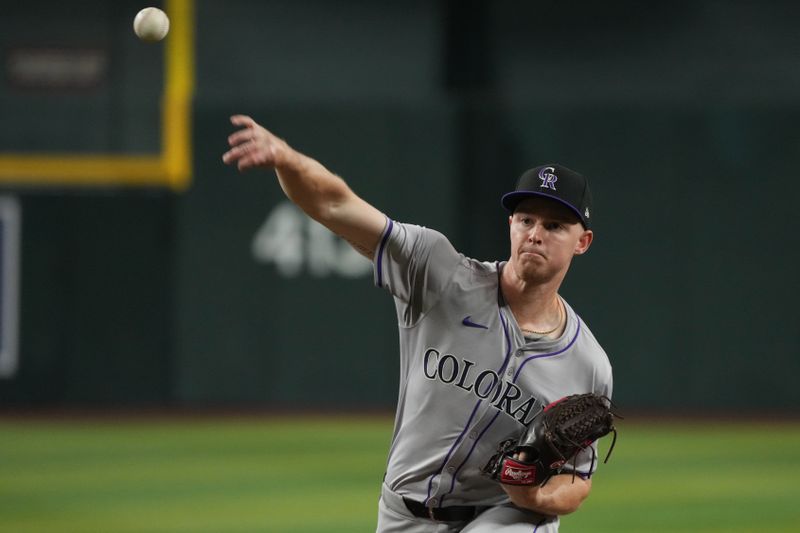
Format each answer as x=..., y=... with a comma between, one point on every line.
x=484, y=346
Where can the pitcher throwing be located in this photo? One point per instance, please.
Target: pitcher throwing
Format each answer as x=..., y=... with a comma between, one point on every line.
x=485, y=346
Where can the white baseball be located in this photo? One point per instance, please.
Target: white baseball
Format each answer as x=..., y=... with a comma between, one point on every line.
x=151, y=24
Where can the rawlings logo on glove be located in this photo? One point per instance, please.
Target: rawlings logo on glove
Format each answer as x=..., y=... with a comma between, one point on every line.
x=516, y=473
x=559, y=433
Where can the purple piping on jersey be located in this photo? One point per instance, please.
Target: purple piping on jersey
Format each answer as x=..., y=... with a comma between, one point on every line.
x=542, y=521
x=384, y=239
x=471, y=416
x=567, y=347
x=502, y=369
x=455, y=444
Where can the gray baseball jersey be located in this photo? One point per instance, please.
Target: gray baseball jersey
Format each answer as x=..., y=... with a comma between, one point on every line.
x=469, y=379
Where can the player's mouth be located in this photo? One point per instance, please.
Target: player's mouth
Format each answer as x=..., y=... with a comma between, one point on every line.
x=528, y=253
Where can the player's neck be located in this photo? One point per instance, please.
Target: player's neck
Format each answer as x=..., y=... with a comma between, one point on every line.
x=535, y=305
x=528, y=290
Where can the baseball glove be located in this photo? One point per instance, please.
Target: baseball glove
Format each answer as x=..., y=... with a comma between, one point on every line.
x=560, y=432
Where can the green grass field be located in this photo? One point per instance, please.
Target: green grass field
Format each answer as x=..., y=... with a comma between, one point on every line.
x=322, y=474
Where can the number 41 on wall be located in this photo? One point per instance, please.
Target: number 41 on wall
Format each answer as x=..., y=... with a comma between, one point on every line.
x=294, y=243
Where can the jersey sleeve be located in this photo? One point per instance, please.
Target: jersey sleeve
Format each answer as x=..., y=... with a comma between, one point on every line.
x=415, y=264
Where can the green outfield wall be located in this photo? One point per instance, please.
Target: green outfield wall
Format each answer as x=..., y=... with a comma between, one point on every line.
x=214, y=291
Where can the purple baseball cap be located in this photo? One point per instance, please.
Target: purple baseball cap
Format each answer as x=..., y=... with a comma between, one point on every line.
x=558, y=183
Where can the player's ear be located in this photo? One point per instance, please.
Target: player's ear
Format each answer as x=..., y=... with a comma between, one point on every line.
x=510, y=219
x=584, y=242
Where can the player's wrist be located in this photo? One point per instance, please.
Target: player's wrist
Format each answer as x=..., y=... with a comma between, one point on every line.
x=284, y=157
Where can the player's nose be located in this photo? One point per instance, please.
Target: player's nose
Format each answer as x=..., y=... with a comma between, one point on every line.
x=534, y=233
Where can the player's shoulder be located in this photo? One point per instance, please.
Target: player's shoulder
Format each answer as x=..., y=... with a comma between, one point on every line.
x=481, y=269
x=407, y=233
x=475, y=278
x=588, y=335
x=590, y=348
x=469, y=267
x=602, y=373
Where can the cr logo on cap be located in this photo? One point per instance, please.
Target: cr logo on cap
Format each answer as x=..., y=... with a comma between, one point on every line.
x=548, y=178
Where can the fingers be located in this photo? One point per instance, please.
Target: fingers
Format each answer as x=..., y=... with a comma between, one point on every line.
x=249, y=132
x=241, y=136
x=521, y=455
x=251, y=146
x=242, y=120
x=239, y=155
x=250, y=154
x=245, y=163
x=234, y=154
x=243, y=143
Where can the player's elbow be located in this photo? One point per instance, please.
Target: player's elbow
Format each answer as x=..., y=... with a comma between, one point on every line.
x=568, y=505
x=328, y=201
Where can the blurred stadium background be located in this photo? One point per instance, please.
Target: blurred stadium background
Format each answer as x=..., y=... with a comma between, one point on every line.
x=160, y=310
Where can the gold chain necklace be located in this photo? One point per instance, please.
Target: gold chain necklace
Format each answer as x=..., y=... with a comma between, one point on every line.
x=560, y=310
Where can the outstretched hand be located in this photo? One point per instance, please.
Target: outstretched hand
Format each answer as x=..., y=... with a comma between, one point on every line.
x=253, y=146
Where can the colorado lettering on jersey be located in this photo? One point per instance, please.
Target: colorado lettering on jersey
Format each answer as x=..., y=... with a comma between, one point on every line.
x=505, y=395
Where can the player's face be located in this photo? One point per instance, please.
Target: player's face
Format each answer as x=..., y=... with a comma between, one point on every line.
x=545, y=235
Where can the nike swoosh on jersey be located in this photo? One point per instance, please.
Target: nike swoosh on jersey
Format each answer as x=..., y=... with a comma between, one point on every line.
x=469, y=323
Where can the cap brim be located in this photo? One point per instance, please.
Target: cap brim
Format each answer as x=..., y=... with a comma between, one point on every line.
x=512, y=199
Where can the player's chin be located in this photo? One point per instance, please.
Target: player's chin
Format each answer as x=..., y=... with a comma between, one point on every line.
x=530, y=262
x=534, y=272
x=535, y=264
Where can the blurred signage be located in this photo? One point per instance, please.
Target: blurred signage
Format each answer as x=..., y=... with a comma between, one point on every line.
x=9, y=284
x=86, y=103
x=55, y=68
